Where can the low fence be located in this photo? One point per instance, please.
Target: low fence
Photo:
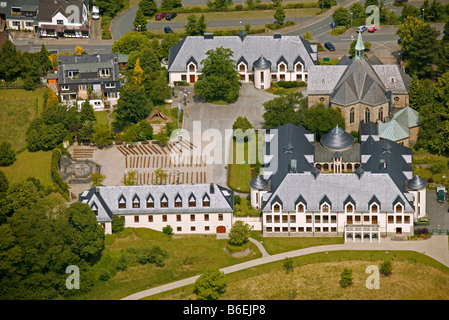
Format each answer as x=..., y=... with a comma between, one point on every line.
x=440, y=231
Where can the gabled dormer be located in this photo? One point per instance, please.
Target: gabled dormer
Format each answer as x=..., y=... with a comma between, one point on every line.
x=150, y=201
x=206, y=200
x=192, y=201
x=300, y=204
x=325, y=205
x=178, y=201
x=122, y=202
x=164, y=201
x=136, y=202
x=192, y=65
x=349, y=205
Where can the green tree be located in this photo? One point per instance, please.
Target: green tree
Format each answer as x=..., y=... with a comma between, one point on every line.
x=102, y=135
x=446, y=32
x=346, y=278
x=409, y=10
x=130, y=42
x=220, y=79
x=140, y=22
x=168, y=5
x=168, y=41
x=326, y=4
x=307, y=35
x=40, y=136
x=148, y=7
x=210, y=285
x=442, y=60
x=87, y=112
x=358, y=12
x=288, y=265
x=422, y=54
x=130, y=178
x=157, y=88
x=279, y=14
x=97, y=179
x=287, y=108
x=11, y=61
x=386, y=268
x=242, y=123
x=277, y=3
x=168, y=230
x=321, y=120
x=110, y=7
x=406, y=31
x=7, y=154
x=342, y=17
x=239, y=233
x=118, y=223
x=195, y=26
x=132, y=106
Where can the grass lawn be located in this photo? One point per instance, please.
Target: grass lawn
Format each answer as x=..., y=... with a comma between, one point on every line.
x=422, y=166
x=316, y=277
x=102, y=117
x=30, y=164
x=17, y=109
x=184, y=260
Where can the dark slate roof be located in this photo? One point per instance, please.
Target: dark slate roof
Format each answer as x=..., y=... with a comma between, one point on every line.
x=345, y=61
x=359, y=83
x=262, y=63
x=368, y=128
x=337, y=139
x=292, y=143
x=48, y=8
x=258, y=183
x=416, y=183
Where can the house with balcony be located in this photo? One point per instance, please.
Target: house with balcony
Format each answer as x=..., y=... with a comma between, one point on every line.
x=188, y=209
x=94, y=74
x=21, y=14
x=260, y=60
x=63, y=18
x=336, y=187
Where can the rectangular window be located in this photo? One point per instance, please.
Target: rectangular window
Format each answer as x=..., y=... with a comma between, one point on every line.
x=183, y=77
x=122, y=205
x=268, y=219
x=178, y=204
x=164, y=218
x=349, y=220
x=206, y=203
x=333, y=219
x=277, y=229
x=390, y=219
x=206, y=217
x=325, y=219
x=358, y=218
x=192, y=228
x=206, y=228
x=277, y=219
x=366, y=219
x=325, y=229
x=242, y=77
x=284, y=219
x=150, y=218
x=293, y=219
x=269, y=229
x=333, y=229
x=308, y=219
x=60, y=22
x=262, y=77
x=65, y=88
x=317, y=219
x=178, y=217
x=192, y=204
x=104, y=73
x=309, y=229
x=164, y=204
x=179, y=229
x=82, y=87
x=292, y=229
x=150, y=204
x=398, y=219
x=192, y=78
x=374, y=220
x=136, y=205
x=192, y=217
x=136, y=218
x=317, y=229
x=407, y=219
x=282, y=77
x=220, y=217
x=110, y=85
x=300, y=229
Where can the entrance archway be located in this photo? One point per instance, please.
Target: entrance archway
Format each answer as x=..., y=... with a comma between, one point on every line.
x=221, y=229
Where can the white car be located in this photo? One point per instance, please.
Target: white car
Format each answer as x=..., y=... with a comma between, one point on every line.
x=95, y=13
x=362, y=28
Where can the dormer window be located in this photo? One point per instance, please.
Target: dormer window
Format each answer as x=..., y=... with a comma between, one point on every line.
x=298, y=67
x=282, y=67
x=192, y=201
x=192, y=67
x=104, y=73
x=94, y=208
x=136, y=202
x=206, y=201
x=73, y=74
x=374, y=208
x=164, y=201
x=122, y=202
x=398, y=208
x=349, y=208
x=301, y=207
x=178, y=201
x=242, y=67
x=325, y=207
x=150, y=202
x=276, y=207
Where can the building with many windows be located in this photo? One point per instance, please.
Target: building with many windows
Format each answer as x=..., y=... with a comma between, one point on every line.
x=80, y=74
x=259, y=59
x=366, y=191
x=364, y=89
x=188, y=209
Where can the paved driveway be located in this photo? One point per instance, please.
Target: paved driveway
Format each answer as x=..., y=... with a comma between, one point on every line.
x=221, y=117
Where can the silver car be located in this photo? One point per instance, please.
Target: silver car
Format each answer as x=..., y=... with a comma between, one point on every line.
x=362, y=28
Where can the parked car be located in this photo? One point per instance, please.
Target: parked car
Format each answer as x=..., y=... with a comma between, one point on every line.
x=441, y=194
x=168, y=30
x=329, y=46
x=95, y=13
x=399, y=41
x=161, y=15
x=362, y=28
x=424, y=221
x=333, y=24
x=373, y=28
x=171, y=16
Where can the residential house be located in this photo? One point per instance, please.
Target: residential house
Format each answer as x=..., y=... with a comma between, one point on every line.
x=260, y=60
x=21, y=14
x=77, y=74
x=63, y=18
x=188, y=209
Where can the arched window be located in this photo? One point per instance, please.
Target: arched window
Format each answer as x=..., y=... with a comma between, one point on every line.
x=276, y=207
x=192, y=67
x=381, y=114
x=300, y=207
x=367, y=115
x=351, y=115
x=242, y=67
x=349, y=208
x=282, y=67
x=374, y=208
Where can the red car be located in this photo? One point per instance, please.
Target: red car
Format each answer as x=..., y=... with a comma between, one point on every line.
x=160, y=15
x=373, y=28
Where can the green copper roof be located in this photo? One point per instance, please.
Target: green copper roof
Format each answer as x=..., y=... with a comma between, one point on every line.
x=359, y=47
x=393, y=130
x=408, y=117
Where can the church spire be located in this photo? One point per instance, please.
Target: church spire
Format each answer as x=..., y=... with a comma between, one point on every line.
x=359, y=47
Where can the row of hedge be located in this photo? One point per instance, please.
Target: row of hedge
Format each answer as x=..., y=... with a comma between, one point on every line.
x=239, y=7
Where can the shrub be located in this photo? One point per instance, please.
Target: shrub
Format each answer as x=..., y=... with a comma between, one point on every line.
x=438, y=166
x=386, y=268
x=289, y=84
x=7, y=154
x=168, y=230
x=288, y=265
x=338, y=30
x=346, y=278
x=237, y=200
x=239, y=233
x=210, y=285
x=181, y=83
x=118, y=223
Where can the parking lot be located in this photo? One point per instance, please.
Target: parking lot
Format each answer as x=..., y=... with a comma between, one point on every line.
x=437, y=212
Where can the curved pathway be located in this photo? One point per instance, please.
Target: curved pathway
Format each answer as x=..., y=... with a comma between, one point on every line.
x=435, y=247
